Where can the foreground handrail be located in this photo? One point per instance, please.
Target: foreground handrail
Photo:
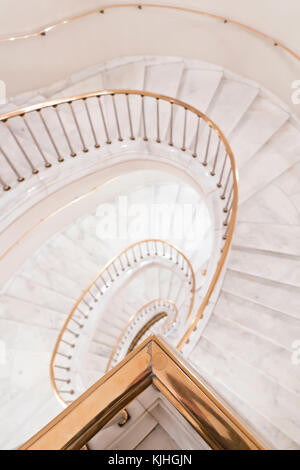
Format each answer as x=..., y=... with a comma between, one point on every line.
x=153, y=362
x=151, y=249
x=101, y=9
x=160, y=305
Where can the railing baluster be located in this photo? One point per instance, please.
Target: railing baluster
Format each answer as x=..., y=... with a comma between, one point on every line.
x=62, y=367
x=226, y=184
x=225, y=223
x=116, y=118
x=144, y=118
x=87, y=304
x=219, y=184
x=108, y=141
x=73, y=154
x=34, y=170
x=228, y=200
x=19, y=177
x=97, y=145
x=72, y=332
x=171, y=124
x=77, y=323
x=183, y=148
x=213, y=171
x=67, y=343
x=47, y=164
x=59, y=157
x=5, y=186
x=129, y=118
x=204, y=163
x=64, y=355
x=196, y=138
x=84, y=148
x=115, y=269
x=157, y=122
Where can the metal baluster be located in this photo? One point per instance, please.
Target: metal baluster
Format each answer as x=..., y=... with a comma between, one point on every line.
x=87, y=304
x=64, y=355
x=183, y=148
x=84, y=148
x=71, y=392
x=47, y=164
x=69, y=344
x=34, y=170
x=72, y=332
x=140, y=250
x=148, y=250
x=226, y=184
x=225, y=223
x=108, y=141
x=121, y=263
x=134, y=256
x=204, y=163
x=77, y=323
x=115, y=269
x=66, y=381
x=129, y=118
x=116, y=118
x=226, y=233
x=104, y=282
x=197, y=137
x=171, y=124
x=144, y=118
x=73, y=154
x=82, y=313
x=20, y=178
x=213, y=171
x=229, y=197
x=5, y=186
x=110, y=276
x=171, y=253
x=222, y=172
x=62, y=367
x=97, y=145
x=126, y=256
x=93, y=296
x=177, y=257
x=155, y=244
x=164, y=249
x=59, y=157
x=182, y=266
x=96, y=285
x=157, y=122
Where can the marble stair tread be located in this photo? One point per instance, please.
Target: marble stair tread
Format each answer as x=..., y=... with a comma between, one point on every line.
x=55, y=281
x=27, y=290
x=100, y=349
x=230, y=103
x=108, y=337
x=277, y=155
x=261, y=426
x=88, y=242
x=198, y=86
x=272, y=325
x=271, y=359
x=266, y=264
x=22, y=336
x=95, y=362
x=284, y=239
x=128, y=76
x=276, y=404
x=274, y=295
x=275, y=207
x=259, y=124
x=27, y=313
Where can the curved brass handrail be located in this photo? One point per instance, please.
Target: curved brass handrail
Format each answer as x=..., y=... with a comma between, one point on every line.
x=167, y=324
x=211, y=159
x=102, y=9
x=123, y=258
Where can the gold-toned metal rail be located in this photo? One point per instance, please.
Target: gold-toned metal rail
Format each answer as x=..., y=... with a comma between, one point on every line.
x=102, y=9
x=214, y=154
x=150, y=363
x=131, y=257
x=160, y=304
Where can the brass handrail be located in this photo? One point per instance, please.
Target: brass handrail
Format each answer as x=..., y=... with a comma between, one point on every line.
x=226, y=178
x=153, y=362
x=127, y=258
x=162, y=303
x=101, y=9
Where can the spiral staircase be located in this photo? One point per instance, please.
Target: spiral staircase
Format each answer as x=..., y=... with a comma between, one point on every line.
x=240, y=338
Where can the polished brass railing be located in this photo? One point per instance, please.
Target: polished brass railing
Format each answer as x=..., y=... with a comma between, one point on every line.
x=102, y=9
x=133, y=257
x=153, y=362
x=185, y=128
x=156, y=310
